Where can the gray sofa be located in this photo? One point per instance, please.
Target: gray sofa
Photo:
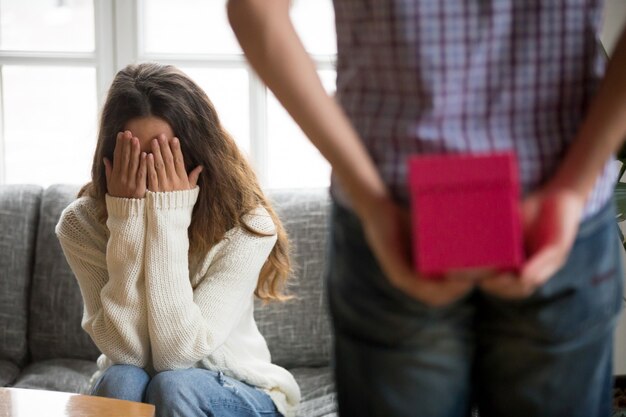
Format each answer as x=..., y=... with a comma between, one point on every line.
x=42, y=345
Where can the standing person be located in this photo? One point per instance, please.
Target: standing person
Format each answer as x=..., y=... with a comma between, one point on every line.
x=457, y=76
x=170, y=242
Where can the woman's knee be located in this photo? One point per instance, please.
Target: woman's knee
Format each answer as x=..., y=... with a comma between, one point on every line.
x=125, y=382
x=177, y=391
x=171, y=384
x=194, y=392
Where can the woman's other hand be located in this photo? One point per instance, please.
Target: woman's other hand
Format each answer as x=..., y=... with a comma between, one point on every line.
x=166, y=167
x=126, y=175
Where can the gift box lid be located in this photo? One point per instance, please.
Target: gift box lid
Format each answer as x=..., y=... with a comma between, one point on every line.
x=436, y=172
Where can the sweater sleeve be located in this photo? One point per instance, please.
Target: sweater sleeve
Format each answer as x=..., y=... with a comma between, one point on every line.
x=186, y=324
x=110, y=275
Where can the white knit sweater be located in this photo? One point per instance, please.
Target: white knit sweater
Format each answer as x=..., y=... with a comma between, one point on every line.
x=143, y=305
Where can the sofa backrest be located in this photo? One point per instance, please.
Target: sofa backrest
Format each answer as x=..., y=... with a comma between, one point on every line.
x=19, y=213
x=56, y=306
x=297, y=332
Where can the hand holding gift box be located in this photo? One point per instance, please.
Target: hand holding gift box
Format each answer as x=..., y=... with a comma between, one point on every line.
x=465, y=213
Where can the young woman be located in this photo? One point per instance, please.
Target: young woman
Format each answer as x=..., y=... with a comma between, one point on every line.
x=170, y=242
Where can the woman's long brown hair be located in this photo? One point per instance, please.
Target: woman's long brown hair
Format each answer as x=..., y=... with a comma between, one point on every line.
x=229, y=188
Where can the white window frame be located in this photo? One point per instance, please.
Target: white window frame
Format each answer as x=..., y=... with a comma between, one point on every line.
x=118, y=27
x=100, y=59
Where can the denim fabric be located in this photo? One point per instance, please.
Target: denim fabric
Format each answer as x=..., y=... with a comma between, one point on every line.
x=546, y=356
x=186, y=393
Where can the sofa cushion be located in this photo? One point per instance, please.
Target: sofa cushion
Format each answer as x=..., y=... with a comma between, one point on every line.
x=68, y=375
x=318, y=392
x=298, y=331
x=56, y=305
x=19, y=213
x=8, y=372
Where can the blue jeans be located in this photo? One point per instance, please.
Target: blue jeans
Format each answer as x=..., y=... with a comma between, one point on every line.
x=185, y=393
x=546, y=356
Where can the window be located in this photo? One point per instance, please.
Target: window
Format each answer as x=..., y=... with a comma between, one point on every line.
x=58, y=57
x=48, y=86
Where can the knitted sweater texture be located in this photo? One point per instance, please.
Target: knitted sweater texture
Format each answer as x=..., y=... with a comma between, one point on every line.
x=143, y=305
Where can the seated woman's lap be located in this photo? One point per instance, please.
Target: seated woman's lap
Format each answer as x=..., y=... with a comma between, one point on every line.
x=188, y=392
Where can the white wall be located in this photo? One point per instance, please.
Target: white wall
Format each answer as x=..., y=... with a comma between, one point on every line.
x=614, y=21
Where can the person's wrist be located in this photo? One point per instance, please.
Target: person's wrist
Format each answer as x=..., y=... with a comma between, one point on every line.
x=370, y=206
x=571, y=187
x=575, y=176
x=366, y=197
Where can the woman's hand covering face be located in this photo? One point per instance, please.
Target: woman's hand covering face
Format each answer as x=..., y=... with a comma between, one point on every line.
x=166, y=167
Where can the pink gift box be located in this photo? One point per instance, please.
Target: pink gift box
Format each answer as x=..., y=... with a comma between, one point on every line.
x=465, y=213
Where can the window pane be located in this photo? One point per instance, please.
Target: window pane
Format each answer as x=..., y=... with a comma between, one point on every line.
x=314, y=21
x=47, y=25
x=293, y=160
x=201, y=26
x=50, y=124
x=187, y=26
x=228, y=90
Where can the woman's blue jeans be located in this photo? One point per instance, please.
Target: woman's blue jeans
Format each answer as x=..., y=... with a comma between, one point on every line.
x=186, y=393
x=546, y=356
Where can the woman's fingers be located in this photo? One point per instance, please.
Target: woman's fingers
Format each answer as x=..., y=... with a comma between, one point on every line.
x=124, y=173
x=125, y=157
x=164, y=166
x=193, y=176
x=135, y=152
x=179, y=160
x=153, y=177
x=168, y=157
x=142, y=172
x=159, y=165
x=117, y=152
x=120, y=159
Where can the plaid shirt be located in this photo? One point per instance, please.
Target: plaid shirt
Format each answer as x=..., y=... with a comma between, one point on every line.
x=470, y=76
